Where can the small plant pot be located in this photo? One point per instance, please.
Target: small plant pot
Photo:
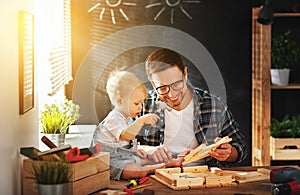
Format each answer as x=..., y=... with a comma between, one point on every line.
x=58, y=139
x=53, y=189
x=280, y=77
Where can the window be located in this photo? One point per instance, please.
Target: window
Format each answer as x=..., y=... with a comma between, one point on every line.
x=54, y=45
x=60, y=45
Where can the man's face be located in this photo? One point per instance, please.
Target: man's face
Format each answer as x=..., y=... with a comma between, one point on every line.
x=170, y=85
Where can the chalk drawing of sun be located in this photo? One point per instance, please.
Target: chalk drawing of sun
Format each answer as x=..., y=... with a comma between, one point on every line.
x=172, y=4
x=112, y=6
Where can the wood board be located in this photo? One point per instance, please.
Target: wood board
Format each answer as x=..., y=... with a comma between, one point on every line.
x=203, y=150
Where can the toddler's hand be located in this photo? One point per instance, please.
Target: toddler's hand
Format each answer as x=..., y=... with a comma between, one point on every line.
x=150, y=119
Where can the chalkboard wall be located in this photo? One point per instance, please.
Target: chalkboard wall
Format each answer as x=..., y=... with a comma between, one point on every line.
x=222, y=27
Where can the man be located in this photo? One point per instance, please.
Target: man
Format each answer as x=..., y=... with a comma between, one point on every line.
x=193, y=116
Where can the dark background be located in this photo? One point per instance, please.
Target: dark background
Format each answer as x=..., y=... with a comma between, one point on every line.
x=223, y=27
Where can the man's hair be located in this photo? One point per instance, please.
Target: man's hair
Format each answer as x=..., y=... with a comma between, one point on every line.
x=122, y=84
x=162, y=59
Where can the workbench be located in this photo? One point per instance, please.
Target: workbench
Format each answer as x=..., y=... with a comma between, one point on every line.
x=242, y=188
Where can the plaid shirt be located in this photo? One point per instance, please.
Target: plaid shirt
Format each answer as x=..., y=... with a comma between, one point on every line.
x=212, y=118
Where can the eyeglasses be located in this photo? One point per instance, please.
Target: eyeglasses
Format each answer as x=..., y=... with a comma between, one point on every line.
x=165, y=89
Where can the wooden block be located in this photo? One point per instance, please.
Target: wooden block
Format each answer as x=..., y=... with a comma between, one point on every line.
x=170, y=170
x=243, y=177
x=217, y=180
x=195, y=169
x=165, y=176
x=213, y=185
x=167, y=184
x=264, y=171
x=216, y=171
x=197, y=181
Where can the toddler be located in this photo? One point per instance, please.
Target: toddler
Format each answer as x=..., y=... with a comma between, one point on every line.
x=126, y=93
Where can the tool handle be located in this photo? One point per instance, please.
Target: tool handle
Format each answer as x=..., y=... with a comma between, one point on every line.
x=48, y=142
x=74, y=155
x=141, y=186
x=90, y=151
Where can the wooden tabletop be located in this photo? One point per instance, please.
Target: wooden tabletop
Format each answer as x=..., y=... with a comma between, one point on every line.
x=244, y=188
x=241, y=188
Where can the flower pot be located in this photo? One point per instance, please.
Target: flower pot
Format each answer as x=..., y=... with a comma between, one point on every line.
x=58, y=139
x=280, y=77
x=53, y=189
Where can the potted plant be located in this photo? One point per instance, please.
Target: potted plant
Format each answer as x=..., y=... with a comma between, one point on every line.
x=288, y=127
x=52, y=177
x=284, y=54
x=285, y=138
x=57, y=118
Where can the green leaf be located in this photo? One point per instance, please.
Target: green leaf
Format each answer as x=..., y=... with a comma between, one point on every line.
x=288, y=127
x=51, y=172
x=57, y=117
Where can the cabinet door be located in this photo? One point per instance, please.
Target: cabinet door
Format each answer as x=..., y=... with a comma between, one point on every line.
x=261, y=44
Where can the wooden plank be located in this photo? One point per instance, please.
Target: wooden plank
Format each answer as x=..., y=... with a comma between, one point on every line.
x=195, y=182
x=244, y=177
x=90, y=166
x=195, y=169
x=281, y=143
x=170, y=170
x=193, y=156
x=111, y=192
x=290, y=86
x=286, y=14
x=261, y=92
x=80, y=170
x=173, y=187
x=90, y=184
x=203, y=150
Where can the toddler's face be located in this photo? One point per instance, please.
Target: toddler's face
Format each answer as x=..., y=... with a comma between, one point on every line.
x=133, y=105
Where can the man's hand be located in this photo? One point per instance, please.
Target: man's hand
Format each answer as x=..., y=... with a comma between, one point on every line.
x=225, y=152
x=161, y=154
x=141, y=153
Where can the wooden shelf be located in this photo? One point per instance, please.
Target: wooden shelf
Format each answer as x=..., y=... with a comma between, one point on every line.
x=286, y=14
x=290, y=86
x=261, y=85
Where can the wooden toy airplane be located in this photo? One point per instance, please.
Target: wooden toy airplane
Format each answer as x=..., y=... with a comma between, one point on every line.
x=202, y=150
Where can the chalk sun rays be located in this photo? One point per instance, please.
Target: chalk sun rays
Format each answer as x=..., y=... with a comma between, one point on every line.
x=172, y=4
x=112, y=6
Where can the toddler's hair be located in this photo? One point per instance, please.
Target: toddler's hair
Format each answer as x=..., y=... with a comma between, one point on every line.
x=122, y=84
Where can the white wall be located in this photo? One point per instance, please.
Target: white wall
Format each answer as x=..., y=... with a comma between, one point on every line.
x=16, y=130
